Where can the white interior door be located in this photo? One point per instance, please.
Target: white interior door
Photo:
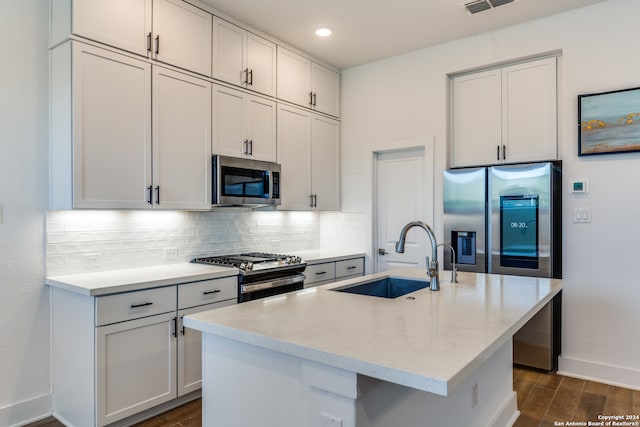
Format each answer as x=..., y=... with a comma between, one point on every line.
x=403, y=185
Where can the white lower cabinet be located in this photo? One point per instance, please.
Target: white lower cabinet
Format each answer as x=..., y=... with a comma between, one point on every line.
x=118, y=355
x=135, y=366
x=333, y=271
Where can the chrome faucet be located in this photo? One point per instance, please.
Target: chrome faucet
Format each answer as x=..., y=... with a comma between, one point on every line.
x=454, y=272
x=432, y=267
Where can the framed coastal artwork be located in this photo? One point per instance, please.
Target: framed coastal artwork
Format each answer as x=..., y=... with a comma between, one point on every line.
x=609, y=122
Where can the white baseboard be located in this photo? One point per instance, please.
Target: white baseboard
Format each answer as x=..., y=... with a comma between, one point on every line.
x=28, y=411
x=508, y=414
x=592, y=371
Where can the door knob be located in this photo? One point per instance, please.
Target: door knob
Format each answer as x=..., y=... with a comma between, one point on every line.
x=382, y=252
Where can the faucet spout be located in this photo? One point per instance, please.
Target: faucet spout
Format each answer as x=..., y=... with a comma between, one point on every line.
x=432, y=267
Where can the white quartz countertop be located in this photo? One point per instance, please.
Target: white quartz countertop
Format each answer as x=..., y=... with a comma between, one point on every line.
x=132, y=279
x=317, y=256
x=432, y=341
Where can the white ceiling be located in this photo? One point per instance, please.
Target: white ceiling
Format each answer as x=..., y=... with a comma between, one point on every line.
x=368, y=30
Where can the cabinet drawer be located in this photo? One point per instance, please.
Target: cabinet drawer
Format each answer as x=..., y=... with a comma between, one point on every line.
x=350, y=267
x=207, y=291
x=320, y=272
x=133, y=305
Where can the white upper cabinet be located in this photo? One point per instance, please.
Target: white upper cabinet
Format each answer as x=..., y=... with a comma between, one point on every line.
x=243, y=58
x=182, y=35
x=305, y=83
x=181, y=141
x=505, y=115
x=111, y=139
x=308, y=150
x=170, y=31
x=125, y=24
x=325, y=163
x=109, y=159
x=477, y=118
x=244, y=125
x=326, y=90
x=529, y=125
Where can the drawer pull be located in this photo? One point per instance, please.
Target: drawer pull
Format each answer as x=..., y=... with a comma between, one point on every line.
x=215, y=291
x=144, y=304
x=352, y=267
x=320, y=273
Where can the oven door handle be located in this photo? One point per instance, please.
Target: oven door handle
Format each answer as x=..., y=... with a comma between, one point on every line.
x=290, y=280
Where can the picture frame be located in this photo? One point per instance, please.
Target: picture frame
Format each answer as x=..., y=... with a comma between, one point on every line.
x=609, y=122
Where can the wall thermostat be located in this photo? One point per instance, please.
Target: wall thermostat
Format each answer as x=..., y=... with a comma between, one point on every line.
x=578, y=186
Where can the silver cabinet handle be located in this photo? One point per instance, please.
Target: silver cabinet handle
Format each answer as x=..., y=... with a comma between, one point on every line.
x=320, y=273
x=351, y=267
x=149, y=42
x=215, y=291
x=150, y=190
x=157, y=45
x=157, y=195
x=250, y=78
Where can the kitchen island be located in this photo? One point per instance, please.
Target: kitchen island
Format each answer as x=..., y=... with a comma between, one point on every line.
x=319, y=357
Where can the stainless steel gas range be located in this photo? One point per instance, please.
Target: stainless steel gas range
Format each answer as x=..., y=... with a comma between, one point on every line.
x=262, y=274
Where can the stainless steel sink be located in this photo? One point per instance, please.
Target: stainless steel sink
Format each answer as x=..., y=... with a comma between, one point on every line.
x=389, y=287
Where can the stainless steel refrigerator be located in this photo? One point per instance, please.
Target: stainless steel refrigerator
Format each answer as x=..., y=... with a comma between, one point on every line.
x=508, y=220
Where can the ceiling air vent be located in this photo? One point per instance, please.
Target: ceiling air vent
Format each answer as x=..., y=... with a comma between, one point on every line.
x=481, y=5
x=496, y=3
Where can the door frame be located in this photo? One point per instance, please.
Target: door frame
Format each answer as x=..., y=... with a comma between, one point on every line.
x=398, y=145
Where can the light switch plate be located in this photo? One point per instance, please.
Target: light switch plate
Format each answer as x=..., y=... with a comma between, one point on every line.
x=581, y=215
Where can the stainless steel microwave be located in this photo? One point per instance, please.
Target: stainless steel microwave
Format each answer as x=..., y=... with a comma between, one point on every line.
x=244, y=182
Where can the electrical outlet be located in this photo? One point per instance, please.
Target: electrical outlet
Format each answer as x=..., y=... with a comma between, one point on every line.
x=328, y=420
x=92, y=260
x=171, y=253
x=474, y=395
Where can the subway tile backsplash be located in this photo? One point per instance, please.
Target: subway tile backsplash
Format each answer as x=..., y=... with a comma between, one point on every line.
x=87, y=241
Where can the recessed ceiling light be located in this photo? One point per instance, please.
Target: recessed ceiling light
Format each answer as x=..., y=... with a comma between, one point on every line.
x=324, y=31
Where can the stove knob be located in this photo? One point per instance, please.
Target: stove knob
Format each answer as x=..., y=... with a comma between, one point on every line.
x=288, y=260
x=249, y=266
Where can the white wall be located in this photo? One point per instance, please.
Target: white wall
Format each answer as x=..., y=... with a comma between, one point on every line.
x=407, y=97
x=24, y=305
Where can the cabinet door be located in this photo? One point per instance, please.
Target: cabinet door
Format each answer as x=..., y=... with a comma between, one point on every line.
x=228, y=122
x=181, y=141
x=124, y=24
x=230, y=54
x=326, y=90
x=294, y=154
x=182, y=35
x=190, y=350
x=135, y=366
x=111, y=129
x=325, y=163
x=261, y=128
x=477, y=112
x=294, y=77
x=261, y=62
x=529, y=111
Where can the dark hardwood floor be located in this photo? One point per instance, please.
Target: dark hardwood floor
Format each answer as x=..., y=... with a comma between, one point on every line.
x=547, y=399
x=543, y=399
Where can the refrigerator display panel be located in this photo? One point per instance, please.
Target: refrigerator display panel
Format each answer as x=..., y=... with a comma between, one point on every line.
x=519, y=246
